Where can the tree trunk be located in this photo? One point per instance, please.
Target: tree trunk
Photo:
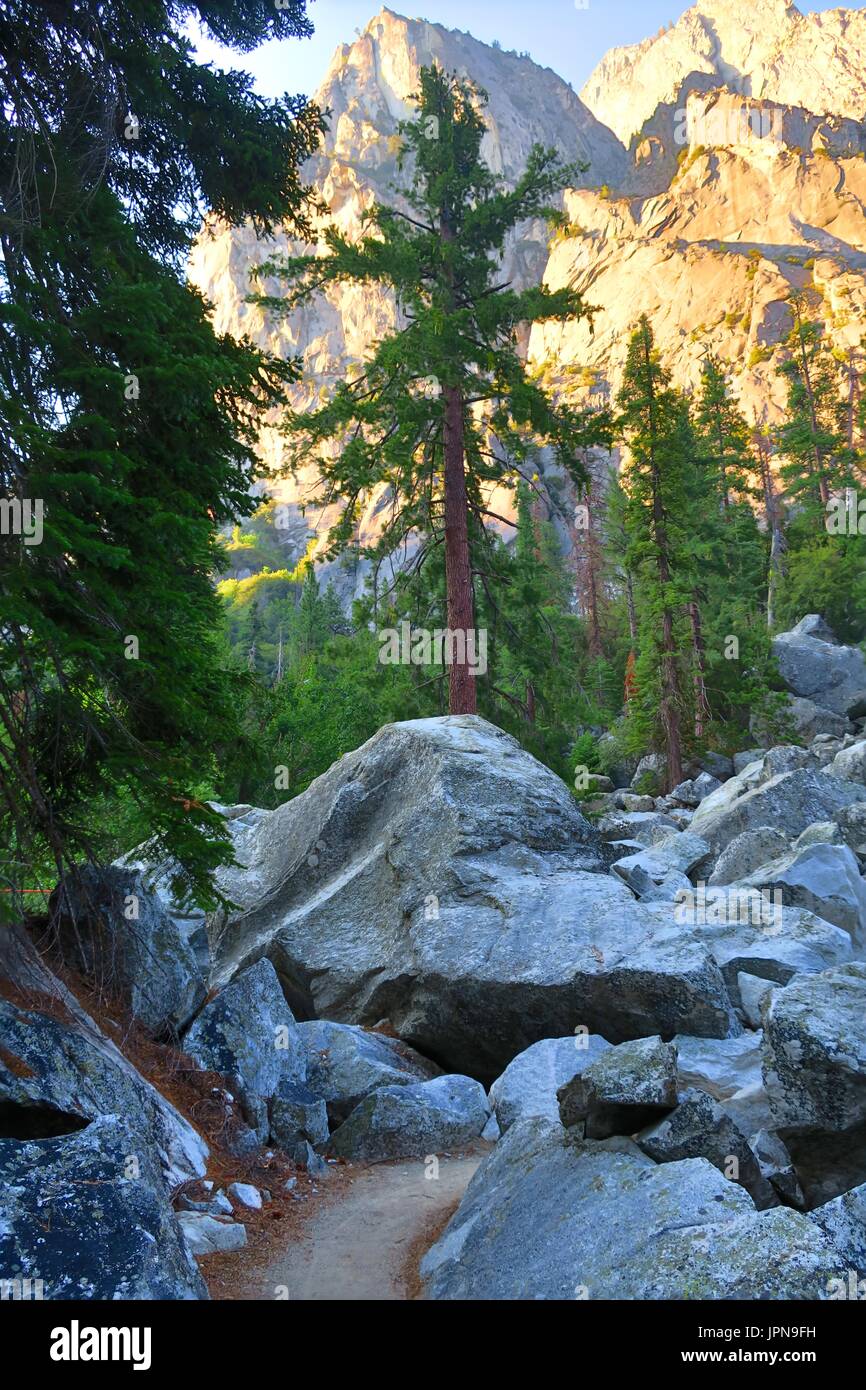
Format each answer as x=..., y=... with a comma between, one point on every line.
x=669, y=710
x=670, y=715
x=853, y=396
x=774, y=525
x=458, y=572
x=702, y=704
x=820, y=479
x=630, y=605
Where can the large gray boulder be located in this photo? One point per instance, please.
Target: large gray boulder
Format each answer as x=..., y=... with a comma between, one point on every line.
x=676, y=853
x=850, y=763
x=87, y=1213
x=701, y=1128
x=820, y=670
x=747, y=932
x=815, y=1051
x=623, y=1090
x=813, y=625
x=298, y=1117
x=843, y=1221
x=718, y=765
x=529, y=1084
x=824, y=879
x=809, y=720
x=344, y=1064
x=413, y=1121
x=747, y=852
x=120, y=936
x=692, y=791
x=788, y=801
x=545, y=1217
x=57, y=1075
x=248, y=1034
x=441, y=879
x=720, y=1066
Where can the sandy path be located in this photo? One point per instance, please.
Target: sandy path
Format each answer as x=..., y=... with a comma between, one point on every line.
x=365, y=1241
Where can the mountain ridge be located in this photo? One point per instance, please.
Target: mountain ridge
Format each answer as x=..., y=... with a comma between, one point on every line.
x=724, y=204
x=772, y=51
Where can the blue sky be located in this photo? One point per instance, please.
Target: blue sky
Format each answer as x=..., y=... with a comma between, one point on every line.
x=559, y=34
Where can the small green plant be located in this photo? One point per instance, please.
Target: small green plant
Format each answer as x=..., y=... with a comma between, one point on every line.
x=758, y=355
x=648, y=784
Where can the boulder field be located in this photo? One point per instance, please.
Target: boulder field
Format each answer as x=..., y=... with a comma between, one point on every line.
x=649, y=1009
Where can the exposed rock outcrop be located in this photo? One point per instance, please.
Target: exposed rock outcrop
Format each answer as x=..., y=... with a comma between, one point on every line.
x=406, y=1121
x=249, y=1035
x=87, y=1213
x=120, y=936
x=548, y=1218
x=469, y=910
x=771, y=52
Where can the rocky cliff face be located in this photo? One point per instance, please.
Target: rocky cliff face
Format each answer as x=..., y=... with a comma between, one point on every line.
x=762, y=199
x=746, y=177
x=367, y=89
x=767, y=50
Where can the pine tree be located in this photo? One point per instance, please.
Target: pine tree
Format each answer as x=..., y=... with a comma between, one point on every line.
x=655, y=426
x=774, y=514
x=616, y=553
x=123, y=413
x=812, y=437
x=723, y=434
x=444, y=406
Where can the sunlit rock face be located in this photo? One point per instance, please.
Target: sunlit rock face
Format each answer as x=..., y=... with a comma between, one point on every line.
x=367, y=89
x=747, y=214
x=767, y=50
x=746, y=177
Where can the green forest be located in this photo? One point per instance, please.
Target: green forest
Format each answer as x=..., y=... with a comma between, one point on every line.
x=630, y=609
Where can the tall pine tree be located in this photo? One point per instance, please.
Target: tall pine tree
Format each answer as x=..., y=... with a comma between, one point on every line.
x=123, y=416
x=655, y=426
x=444, y=408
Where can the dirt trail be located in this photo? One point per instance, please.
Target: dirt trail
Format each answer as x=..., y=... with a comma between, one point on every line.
x=365, y=1242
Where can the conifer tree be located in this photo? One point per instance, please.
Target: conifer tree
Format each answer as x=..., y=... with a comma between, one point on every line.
x=812, y=437
x=444, y=407
x=655, y=426
x=122, y=414
x=723, y=434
